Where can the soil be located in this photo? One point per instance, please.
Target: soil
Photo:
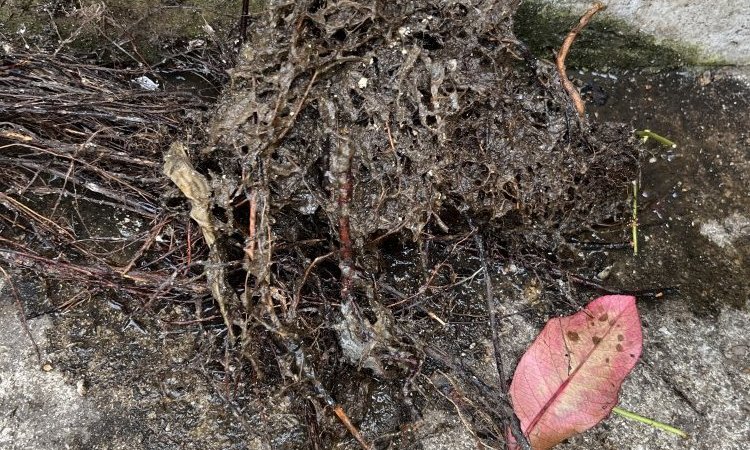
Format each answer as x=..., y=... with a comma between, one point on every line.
x=152, y=385
x=148, y=375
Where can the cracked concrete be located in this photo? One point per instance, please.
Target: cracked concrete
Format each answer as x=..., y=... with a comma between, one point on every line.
x=720, y=29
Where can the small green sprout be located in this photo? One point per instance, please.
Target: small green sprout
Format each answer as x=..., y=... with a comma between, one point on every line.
x=646, y=134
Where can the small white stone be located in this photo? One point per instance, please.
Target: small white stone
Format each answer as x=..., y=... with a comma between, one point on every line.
x=362, y=83
x=81, y=387
x=604, y=274
x=196, y=43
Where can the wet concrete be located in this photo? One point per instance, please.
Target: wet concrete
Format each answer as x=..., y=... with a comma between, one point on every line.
x=695, y=200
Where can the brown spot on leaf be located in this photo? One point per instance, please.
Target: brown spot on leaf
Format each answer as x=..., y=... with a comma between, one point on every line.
x=606, y=360
x=603, y=317
x=620, y=337
x=619, y=347
x=572, y=336
x=596, y=340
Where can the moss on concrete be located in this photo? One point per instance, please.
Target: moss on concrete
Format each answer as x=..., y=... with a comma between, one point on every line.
x=144, y=29
x=605, y=43
x=20, y=19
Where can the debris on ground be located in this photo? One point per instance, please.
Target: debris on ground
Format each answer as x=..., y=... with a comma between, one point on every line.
x=336, y=190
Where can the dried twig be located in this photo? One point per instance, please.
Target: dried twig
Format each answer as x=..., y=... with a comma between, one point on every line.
x=244, y=20
x=563, y=53
x=515, y=424
x=138, y=283
x=308, y=372
x=341, y=414
x=298, y=293
x=147, y=243
x=460, y=403
x=342, y=170
x=488, y=403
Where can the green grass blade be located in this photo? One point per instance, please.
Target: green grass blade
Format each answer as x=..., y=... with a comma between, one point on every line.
x=653, y=423
x=646, y=134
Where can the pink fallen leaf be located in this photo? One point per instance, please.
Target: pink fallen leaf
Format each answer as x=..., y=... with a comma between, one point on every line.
x=570, y=377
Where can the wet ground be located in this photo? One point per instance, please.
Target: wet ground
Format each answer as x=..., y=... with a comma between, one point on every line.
x=117, y=378
x=694, y=234
x=694, y=200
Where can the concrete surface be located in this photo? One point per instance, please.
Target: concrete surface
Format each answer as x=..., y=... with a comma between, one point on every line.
x=720, y=29
x=694, y=375
x=39, y=410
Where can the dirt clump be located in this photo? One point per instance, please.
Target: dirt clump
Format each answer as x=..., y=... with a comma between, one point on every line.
x=364, y=133
x=441, y=116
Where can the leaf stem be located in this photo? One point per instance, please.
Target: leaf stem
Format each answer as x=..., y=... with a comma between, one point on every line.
x=634, y=222
x=651, y=422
